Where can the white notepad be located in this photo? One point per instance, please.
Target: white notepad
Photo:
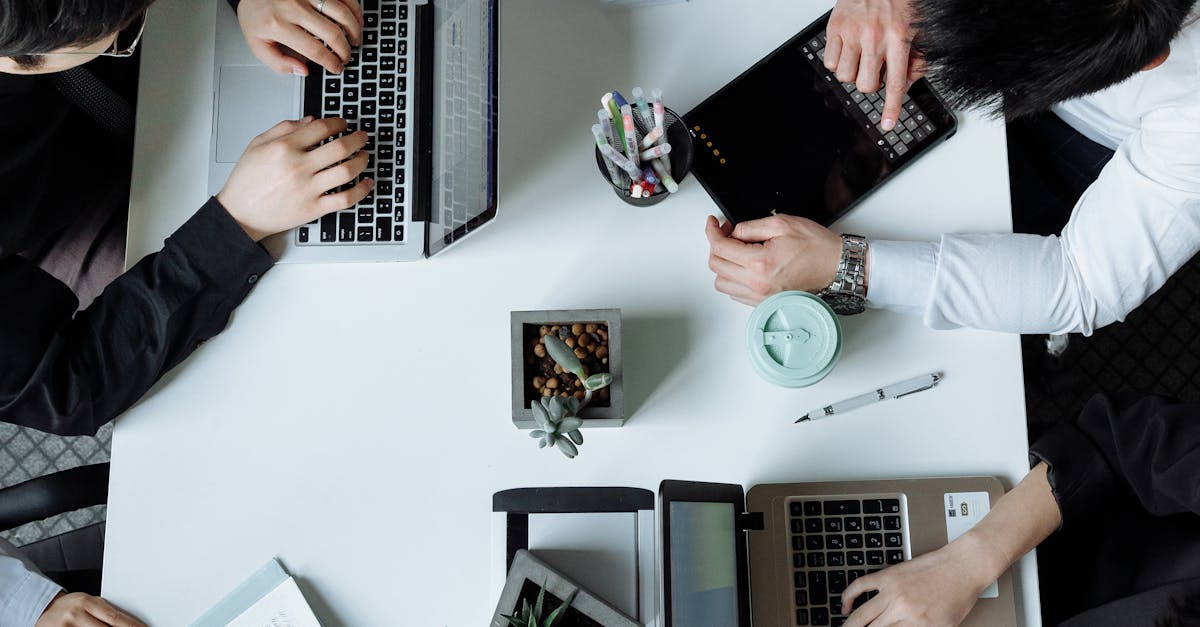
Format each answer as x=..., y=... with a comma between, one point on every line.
x=269, y=598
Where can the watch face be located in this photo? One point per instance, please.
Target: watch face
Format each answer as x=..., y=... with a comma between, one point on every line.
x=845, y=304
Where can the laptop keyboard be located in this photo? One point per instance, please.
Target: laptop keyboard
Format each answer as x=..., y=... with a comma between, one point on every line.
x=913, y=127
x=835, y=540
x=373, y=94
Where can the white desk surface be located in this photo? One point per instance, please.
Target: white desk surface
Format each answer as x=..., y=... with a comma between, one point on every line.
x=354, y=420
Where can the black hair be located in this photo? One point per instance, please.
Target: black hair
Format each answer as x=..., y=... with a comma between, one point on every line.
x=30, y=27
x=1019, y=57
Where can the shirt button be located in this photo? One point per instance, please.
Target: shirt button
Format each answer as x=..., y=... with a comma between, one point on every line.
x=253, y=279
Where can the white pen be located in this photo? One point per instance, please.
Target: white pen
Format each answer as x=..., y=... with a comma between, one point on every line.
x=896, y=390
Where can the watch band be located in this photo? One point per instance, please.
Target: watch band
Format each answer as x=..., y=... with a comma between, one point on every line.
x=851, y=277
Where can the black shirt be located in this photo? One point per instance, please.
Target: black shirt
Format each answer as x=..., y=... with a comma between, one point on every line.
x=1126, y=476
x=70, y=373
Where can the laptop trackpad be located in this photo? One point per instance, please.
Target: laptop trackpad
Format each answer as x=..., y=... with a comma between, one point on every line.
x=250, y=100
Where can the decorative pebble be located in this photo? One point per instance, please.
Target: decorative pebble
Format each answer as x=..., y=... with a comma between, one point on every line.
x=543, y=330
x=553, y=329
x=586, y=340
x=602, y=353
x=564, y=333
x=539, y=382
x=539, y=350
x=590, y=328
x=604, y=361
x=580, y=395
x=552, y=383
x=570, y=342
x=547, y=393
x=580, y=352
x=577, y=328
x=557, y=369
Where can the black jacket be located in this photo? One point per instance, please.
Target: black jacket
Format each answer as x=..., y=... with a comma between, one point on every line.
x=1126, y=476
x=70, y=373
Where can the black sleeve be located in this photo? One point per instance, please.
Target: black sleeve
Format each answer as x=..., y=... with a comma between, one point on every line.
x=1148, y=447
x=69, y=373
x=234, y=4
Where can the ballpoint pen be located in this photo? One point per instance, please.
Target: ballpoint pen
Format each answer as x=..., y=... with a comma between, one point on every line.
x=896, y=390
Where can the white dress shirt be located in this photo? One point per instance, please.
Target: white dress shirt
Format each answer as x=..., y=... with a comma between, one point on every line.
x=1131, y=230
x=24, y=591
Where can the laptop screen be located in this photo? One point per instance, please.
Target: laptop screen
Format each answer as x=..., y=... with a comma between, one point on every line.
x=465, y=117
x=703, y=565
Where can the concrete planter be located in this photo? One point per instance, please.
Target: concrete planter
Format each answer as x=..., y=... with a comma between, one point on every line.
x=611, y=416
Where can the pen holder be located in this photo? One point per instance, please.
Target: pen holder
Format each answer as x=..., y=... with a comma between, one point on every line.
x=682, y=153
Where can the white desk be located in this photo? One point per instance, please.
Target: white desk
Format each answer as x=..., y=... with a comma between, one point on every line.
x=335, y=425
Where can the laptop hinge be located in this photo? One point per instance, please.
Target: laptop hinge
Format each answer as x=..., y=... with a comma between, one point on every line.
x=750, y=521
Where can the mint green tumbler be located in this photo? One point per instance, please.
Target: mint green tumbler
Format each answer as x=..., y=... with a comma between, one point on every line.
x=794, y=339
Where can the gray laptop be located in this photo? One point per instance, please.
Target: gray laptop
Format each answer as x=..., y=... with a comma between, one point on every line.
x=423, y=86
x=783, y=553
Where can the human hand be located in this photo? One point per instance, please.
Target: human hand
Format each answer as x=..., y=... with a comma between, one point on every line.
x=280, y=181
x=937, y=589
x=762, y=257
x=83, y=610
x=863, y=36
x=274, y=29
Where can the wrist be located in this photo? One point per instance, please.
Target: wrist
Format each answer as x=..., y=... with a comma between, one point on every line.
x=985, y=556
x=253, y=233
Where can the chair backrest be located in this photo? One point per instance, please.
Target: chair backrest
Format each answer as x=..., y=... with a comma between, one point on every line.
x=53, y=494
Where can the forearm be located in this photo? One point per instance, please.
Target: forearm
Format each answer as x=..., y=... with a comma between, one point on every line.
x=70, y=374
x=1020, y=521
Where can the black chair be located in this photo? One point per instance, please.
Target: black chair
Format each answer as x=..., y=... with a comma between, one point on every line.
x=73, y=559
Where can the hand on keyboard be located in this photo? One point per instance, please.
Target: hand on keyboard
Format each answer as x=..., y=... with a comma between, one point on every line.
x=276, y=30
x=282, y=179
x=937, y=588
x=864, y=38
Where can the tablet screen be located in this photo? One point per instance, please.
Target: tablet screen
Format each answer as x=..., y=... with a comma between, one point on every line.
x=703, y=565
x=781, y=138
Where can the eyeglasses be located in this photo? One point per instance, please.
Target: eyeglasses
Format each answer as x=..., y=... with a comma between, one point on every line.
x=124, y=44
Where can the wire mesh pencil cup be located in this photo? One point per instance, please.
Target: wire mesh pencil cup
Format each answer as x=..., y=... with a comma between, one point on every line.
x=682, y=153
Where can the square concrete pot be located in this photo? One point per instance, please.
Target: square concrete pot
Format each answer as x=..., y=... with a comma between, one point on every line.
x=611, y=416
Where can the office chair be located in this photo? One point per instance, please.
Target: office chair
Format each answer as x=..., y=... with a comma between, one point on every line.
x=73, y=559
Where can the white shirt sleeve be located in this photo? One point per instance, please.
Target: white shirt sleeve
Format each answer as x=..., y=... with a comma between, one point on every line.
x=1131, y=230
x=24, y=591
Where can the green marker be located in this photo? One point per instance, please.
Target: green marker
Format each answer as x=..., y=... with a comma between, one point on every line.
x=615, y=111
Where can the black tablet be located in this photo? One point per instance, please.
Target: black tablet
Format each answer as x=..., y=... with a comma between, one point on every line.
x=705, y=580
x=787, y=137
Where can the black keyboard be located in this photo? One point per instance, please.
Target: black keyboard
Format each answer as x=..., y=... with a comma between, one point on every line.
x=835, y=540
x=372, y=94
x=913, y=128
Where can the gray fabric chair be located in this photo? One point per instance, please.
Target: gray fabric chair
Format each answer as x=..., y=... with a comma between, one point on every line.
x=73, y=559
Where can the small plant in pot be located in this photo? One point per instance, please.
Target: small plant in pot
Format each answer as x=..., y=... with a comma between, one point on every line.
x=532, y=615
x=557, y=417
x=594, y=338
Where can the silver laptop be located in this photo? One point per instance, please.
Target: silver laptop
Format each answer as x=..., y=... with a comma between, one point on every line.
x=782, y=554
x=423, y=86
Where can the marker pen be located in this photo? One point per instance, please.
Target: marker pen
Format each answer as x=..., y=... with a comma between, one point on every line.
x=643, y=107
x=601, y=142
x=631, y=149
x=615, y=112
x=622, y=162
x=665, y=175
x=656, y=152
x=652, y=138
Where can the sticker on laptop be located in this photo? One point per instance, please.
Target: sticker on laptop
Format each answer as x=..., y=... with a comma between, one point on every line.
x=962, y=511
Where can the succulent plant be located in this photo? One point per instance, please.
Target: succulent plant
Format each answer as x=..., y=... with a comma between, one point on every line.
x=531, y=616
x=557, y=418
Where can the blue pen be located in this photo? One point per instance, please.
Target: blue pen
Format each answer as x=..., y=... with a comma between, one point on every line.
x=621, y=101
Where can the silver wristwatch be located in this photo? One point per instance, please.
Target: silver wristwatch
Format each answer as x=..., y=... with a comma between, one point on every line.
x=847, y=295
